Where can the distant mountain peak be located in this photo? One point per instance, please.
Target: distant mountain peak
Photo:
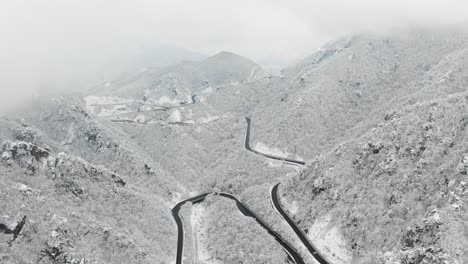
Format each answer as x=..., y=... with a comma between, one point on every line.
x=229, y=57
x=226, y=54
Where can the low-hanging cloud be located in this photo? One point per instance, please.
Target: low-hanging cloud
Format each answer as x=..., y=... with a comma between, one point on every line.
x=56, y=43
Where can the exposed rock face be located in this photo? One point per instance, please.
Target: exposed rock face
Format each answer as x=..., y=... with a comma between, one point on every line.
x=63, y=166
x=27, y=155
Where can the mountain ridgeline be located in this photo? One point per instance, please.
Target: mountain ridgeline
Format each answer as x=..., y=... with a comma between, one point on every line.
x=367, y=139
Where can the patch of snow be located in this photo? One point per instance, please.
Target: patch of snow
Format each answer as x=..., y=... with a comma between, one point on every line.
x=71, y=135
x=23, y=188
x=201, y=98
x=107, y=84
x=274, y=163
x=146, y=108
x=166, y=100
x=329, y=241
x=208, y=90
x=176, y=197
x=188, y=114
x=106, y=105
x=207, y=119
x=6, y=155
x=202, y=256
x=298, y=157
x=293, y=207
x=140, y=118
x=271, y=151
x=299, y=102
x=175, y=116
x=256, y=73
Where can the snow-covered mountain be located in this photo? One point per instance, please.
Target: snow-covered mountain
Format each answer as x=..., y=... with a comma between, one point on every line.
x=345, y=88
x=176, y=83
x=380, y=121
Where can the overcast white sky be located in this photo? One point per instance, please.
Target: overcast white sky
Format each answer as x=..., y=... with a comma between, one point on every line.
x=43, y=39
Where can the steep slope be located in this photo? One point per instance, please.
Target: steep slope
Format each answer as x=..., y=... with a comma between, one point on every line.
x=97, y=177
x=345, y=88
x=396, y=194
x=87, y=192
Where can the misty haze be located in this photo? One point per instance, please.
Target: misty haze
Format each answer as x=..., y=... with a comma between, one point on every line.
x=234, y=132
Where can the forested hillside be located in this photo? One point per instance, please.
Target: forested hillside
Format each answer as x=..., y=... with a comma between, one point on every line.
x=380, y=121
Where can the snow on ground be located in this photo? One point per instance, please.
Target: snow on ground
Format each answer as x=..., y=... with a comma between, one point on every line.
x=176, y=197
x=188, y=114
x=202, y=256
x=175, y=116
x=274, y=163
x=71, y=135
x=201, y=98
x=140, y=118
x=257, y=73
x=329, y=242
x=208, y=90
x=252, y=72
x=293, y=207
x=259, y=146
x=107, y=105
x=208, y=118
x=146, y=108
x=164, y=100
x=298, y=157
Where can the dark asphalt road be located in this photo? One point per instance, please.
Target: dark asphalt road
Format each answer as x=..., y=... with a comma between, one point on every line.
x=180, y=225
x=277, y=205
x=275, y=199
x=247, y=146
x=292, y=254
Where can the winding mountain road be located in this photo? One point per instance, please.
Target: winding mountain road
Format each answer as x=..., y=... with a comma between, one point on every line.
x=247, y=146
x=246, y=211
x=310, y=247
x=181, y=104
x=180, y=225
x=275, y=198
x=293, y=255
x=154, y=109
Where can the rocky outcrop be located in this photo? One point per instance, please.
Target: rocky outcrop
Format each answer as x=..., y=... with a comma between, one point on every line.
x=27, y=155
x=63, y=167
x=59, y=248
x=420, y=244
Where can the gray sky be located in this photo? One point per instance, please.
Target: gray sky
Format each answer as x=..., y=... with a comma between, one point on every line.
x=47, y=40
